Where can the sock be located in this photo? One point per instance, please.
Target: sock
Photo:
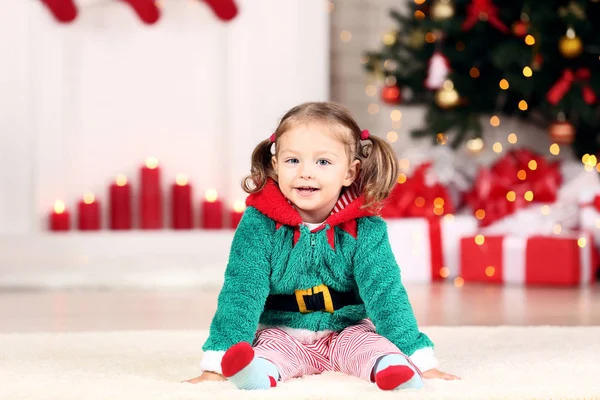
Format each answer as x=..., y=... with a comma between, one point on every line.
x=225, y=10
x=62, y=10
x=393, y=371
x=246, y=371
x=145, y=9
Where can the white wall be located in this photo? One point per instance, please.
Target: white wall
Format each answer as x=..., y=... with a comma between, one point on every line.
x=83, y=102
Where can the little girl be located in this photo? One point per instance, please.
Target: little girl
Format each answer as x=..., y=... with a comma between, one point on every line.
x=311, y=281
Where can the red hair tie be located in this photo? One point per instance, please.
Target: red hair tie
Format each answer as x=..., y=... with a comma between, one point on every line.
x=272, y=138
x=364, y=135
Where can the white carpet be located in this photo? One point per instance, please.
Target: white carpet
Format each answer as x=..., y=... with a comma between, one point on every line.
x=496, y=363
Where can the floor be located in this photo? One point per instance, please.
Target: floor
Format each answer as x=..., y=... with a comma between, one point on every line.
x=436, y=304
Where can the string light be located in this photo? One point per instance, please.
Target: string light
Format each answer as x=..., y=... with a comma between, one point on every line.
x=449, y=217
x=530, y=40
x=373, y=108
x=346, y=36
x=459, y=282
x=512, y=138
x=494, y=121
x=527, y=72
x=532, y=164
x=522, y=175
x=504, y=84
x=511, y=196
x=419, y=15
x=490, y=271
x=389, y=39
x=444, y=272
x=392, y=136
x=497, y=147
x=430, y=37
x=419, y=201
x=474, y=72
x=438, y=202
x=479, y=239
x=545, y=209
x=581, y=242
x=480, y=214
x=554, y=149
x=528, y=195
x=523, y=105
x=475, y=145
x=557, y=229
x=396, y=115
x=401, y=179
x=371, y=90
x=441, y=138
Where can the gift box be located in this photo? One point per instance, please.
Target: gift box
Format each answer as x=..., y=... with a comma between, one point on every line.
x=428, y=249
x=589, y=214
x=565, y=259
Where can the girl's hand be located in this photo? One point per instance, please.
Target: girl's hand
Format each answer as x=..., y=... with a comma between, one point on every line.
x=437, y=374
x=207, y=376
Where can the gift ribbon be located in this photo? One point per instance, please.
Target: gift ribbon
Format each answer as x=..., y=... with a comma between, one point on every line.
x=492, y=185
x=481, y=10
x=563, y=85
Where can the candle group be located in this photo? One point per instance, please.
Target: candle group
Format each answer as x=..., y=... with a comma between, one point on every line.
x=150, y=206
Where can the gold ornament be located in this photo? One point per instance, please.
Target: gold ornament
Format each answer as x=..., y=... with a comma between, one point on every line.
x=447, y=97
x=442, y=10
x=562, y=132
x=570, y=45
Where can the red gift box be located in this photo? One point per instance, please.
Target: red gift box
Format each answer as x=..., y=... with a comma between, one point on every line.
x=540, y=259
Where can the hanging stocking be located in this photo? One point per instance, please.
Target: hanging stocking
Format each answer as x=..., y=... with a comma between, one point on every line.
x=145, y=9
x=437, y=72
x=225, y=10
x=63, y=10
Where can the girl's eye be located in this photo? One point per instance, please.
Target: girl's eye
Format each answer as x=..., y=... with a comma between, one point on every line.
x=292, y=161
x=323, y=162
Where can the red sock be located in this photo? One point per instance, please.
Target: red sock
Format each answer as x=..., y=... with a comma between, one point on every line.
x=393, y=376
x=224, y=9
x=63, y=10
x=145, y=9
x=237, y=358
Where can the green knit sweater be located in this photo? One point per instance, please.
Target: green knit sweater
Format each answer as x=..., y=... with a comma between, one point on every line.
x=265, y=260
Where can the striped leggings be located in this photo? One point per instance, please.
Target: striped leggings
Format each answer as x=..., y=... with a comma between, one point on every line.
x=353, y=351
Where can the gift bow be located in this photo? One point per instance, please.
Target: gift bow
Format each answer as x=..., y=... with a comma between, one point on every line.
x=486, y=9
x=416, y=198
x=563, y=85
x=490, y=192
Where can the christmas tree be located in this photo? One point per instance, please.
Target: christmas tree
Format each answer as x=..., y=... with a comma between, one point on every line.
x=471, y=62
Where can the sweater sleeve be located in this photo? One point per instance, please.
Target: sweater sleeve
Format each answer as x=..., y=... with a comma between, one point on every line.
x=378, y=279
x=245, y=288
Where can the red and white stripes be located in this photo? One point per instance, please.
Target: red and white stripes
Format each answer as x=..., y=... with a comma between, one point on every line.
x=353, y=351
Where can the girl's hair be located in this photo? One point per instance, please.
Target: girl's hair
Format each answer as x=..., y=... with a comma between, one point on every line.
x=378, y=162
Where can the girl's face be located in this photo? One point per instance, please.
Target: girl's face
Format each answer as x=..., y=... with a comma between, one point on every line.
x=312, y=167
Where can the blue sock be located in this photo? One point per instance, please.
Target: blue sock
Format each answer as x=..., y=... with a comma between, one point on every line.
x=394, y=377
x=246, y=371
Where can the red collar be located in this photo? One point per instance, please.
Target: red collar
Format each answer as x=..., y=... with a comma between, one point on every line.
x=271, y=202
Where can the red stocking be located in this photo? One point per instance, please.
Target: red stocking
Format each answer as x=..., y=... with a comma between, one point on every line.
x=63, y=10
x=225, y=10
x=145, y=9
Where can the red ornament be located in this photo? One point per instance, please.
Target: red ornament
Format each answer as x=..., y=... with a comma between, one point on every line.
x=225, y=10
x=563, y=85
x=520, y=28
x=391, y=94
x=145, y=9
x=562, y=132
x=483, y=10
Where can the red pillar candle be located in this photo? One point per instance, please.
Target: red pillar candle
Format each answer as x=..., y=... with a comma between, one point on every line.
x=181, y=203
x=60, y=219
x=150, y=196
x=88, y=213
x=237, y=212
x=120, y=204
x=211, y=211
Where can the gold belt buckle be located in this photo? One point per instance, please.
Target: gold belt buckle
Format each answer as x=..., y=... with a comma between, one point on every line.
x=314, y=290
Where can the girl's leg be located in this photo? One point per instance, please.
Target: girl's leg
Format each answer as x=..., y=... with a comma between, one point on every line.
x=360, y=352
x=274, y=356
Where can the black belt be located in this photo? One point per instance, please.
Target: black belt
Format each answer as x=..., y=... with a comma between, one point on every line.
x=318, y=298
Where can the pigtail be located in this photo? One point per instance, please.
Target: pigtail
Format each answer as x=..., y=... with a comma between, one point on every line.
x=378, y=173
x=261, y=168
